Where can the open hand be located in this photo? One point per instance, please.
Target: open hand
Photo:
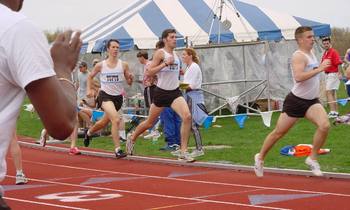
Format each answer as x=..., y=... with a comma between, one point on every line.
x=65, y=52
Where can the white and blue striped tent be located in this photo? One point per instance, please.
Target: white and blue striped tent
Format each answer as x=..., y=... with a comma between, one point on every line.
x=142, y=22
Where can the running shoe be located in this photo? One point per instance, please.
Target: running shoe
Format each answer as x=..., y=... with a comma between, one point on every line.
x=122, y=140
x=172, y=147
x=258, y=166
x=87, y=138
x=176, y=152
x=21, y=179
x=333, y=115
x=153, y=134
x=74, y=151
x=120, y=154
x=42, y=139
x=314, y=166
x=197, y=153
x=186, y=157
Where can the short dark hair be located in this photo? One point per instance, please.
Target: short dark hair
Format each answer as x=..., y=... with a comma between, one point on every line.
x=324, y=39
x=83, y=64
x=110, y=41
x=143, y=54
x=300, y=30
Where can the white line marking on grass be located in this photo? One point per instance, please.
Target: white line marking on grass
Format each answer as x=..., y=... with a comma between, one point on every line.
x=189, y=180
x=42, y=203
x=156, y=195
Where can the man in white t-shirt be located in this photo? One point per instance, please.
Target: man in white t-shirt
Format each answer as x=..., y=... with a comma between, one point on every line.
x=27, y=67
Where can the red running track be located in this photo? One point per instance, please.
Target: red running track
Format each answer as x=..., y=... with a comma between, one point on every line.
x=62, y=181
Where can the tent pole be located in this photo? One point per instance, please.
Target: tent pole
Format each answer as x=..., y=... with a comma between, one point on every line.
x=221, y=7
x=268, y=79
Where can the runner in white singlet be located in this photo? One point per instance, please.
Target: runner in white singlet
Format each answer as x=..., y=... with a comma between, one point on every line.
x=113, y=73
x=301, y=102
x=166, y=65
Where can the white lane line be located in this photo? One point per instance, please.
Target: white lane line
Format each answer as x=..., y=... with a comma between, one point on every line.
x=188, y=180
x=79, y=177
x=228, y=193
x=206, y=196
x=173, y=206
x=156, y=195
x=42, y=203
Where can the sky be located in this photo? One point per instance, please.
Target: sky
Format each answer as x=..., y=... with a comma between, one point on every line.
x=77, y=14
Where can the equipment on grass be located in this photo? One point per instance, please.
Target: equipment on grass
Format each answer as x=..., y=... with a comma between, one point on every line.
x=301, y=150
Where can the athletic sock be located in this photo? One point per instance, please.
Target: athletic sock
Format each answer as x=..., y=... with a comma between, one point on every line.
x=117, y=149
x=122, y=134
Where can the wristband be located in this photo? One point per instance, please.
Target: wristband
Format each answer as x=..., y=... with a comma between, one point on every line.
x=66, y=80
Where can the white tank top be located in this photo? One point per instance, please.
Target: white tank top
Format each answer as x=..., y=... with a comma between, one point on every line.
x=168, y=77
x=308, y=89
x=112, y=79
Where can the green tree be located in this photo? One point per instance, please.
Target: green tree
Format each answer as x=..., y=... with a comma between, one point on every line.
x=341, y=39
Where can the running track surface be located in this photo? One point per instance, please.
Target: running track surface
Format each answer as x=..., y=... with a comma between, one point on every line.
x=62, y=181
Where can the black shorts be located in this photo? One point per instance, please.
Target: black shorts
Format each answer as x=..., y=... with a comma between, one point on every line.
x=148, y=93
x=164, y=98
x=297, y=107
x=117, y=100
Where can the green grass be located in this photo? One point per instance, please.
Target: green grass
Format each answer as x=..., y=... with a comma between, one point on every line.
x=245, y=142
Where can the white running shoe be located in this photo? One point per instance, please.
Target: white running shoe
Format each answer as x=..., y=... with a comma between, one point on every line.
x=314, y=166
x=21, y=179
x=176, y=152
x=197, y=153
x=258, y=166
x=186, y=157
x=42, y=140
x=153, y=134
x=129, y=146
x=333, y=114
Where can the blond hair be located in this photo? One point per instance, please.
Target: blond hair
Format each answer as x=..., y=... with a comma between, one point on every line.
x=192, y=52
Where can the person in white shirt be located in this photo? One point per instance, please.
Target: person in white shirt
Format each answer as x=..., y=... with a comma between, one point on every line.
x=301, y=102
x=166, y=65
x=113, y=73
x=194, y=96
x=26, y=67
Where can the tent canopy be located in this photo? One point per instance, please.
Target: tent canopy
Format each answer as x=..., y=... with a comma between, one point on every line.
x=196, y=21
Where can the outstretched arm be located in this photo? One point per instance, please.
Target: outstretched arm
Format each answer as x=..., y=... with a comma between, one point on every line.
x=54, y=97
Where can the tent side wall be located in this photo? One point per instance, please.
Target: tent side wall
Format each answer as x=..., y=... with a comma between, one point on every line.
x=237, y=62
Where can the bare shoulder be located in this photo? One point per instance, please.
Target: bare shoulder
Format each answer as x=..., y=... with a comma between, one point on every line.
x=98, y=66
x=125, y=64
x=299, y=57
x=159, y=54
